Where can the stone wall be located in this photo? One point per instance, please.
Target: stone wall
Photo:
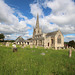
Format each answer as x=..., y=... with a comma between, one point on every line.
x=47, y=42
x=59, y=45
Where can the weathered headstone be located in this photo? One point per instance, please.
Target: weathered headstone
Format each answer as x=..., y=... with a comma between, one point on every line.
x=31, y=46
x=45, y=47
x=0, y=45
x=7, y=44
x=35, y=46
x=67, y=47
x=70, y=52
x=64, y=48
x=42, y=53
x=24, y=45
x=14, y=48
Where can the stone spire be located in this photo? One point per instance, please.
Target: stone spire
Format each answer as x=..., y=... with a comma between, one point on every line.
x=37, y=21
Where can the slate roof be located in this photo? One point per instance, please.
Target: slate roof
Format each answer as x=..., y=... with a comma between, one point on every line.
x=41, y=38
x=29, y=39
x=20, y=39
x=52, y=33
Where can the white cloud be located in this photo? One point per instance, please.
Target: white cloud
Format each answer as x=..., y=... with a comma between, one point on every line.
x=10, y=24
x=63, y=12
x=69, y=38
x=6, y=14
x=36, y=9
x=32, y=21
x=62, y=17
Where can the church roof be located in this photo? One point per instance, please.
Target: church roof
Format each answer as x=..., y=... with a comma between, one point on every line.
x=52, y=33
x=29, y=39
x=20, y=39
x=41, y=38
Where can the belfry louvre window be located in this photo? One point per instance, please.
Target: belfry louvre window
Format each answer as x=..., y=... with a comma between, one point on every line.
x=59, y=39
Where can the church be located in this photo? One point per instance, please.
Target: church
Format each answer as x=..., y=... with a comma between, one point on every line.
x=48, y=40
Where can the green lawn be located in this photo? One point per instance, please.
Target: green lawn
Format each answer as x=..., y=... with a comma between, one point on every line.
x=29, y=61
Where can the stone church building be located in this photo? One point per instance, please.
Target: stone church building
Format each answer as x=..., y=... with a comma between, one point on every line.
x=48, y=40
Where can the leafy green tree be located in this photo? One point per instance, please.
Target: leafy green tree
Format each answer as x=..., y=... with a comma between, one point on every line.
x=71, y=44
x=2, y=37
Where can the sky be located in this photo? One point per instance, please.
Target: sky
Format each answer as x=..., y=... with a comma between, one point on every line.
x=18, y=17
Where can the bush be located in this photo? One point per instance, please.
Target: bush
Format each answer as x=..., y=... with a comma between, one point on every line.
x=2, y=37
x=71, y=44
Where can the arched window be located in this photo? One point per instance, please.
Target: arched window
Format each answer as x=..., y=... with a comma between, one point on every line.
x=38, y=31
x=59, y=39
x=48, y=43
x=52, y=41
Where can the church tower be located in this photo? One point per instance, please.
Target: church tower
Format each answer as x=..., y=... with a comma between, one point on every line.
x=37, y=22
x=37, y=29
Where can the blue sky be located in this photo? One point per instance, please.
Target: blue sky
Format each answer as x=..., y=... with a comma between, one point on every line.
x=18, y=17
x=21, y=6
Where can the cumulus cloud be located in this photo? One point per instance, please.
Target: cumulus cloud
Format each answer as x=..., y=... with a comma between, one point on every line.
x=61, y=17
x=63, y=12
x=6, y=14
x=10, y=24
x=36, y=9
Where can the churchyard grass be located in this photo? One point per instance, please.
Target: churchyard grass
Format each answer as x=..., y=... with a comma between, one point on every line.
x=30, y=61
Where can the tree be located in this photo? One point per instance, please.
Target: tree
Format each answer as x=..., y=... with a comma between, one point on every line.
x=2, y=37
x=71, y=44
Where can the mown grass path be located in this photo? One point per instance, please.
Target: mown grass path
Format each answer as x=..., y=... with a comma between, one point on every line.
x=29, y=61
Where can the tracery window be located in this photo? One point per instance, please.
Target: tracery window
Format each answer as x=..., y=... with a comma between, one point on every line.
x=59, y=39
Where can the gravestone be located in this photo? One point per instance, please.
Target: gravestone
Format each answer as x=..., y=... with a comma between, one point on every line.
x=70, y=52
x=7, y=44
x=31, y=46
x=14, y=47
x=24, y=45
x=42, y=53
x=67, y=47
x=35, y=46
